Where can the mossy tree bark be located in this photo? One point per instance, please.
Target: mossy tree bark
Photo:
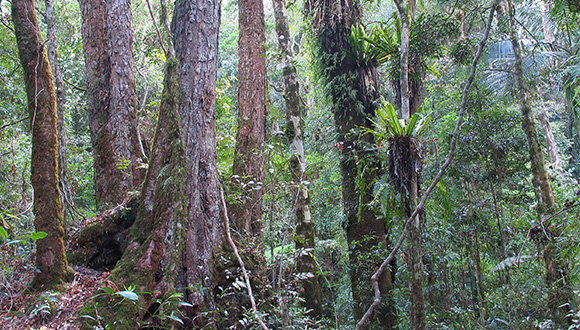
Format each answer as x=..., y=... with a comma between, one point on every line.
x=178, y=233
x=52, y=45
x=559, y=293
x=304, y=238
x=50, y=256
x=352, y=92
x=108, y=47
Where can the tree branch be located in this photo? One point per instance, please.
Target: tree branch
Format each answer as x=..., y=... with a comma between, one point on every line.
x=73, y=85
x=156, y=28
x=451, y=154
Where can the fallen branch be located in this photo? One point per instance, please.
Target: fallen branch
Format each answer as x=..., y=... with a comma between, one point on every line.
x=240, y=261
x=420, y=207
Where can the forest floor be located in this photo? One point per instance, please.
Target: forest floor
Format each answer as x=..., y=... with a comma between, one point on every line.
x=43, y=311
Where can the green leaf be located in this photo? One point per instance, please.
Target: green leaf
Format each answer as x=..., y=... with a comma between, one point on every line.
x=128, y=294
x=108, y=290
x=186, y=304
x=3, y=233
x=175, y=318
x=37, y=235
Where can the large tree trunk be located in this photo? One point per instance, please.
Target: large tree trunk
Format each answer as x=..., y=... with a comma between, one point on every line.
x=246, y=208
x=178, y=233
x=108, y=47
x=50, y=256
x=559, y=294
x=304, y=238
x=352, y=92
x=246, y=190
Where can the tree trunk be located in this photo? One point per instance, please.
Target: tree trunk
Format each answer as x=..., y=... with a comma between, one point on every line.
x=404, y=63
x=50, y=256
x=352, y=92
x=540, y=178
x=246, y=190
x=304, y=238
x=559, y=294
x=551, y=144
x=178, y=233
x=52, y=44
x=246, y=210
x=411, y=154
x=108, y=47
x=405, y=165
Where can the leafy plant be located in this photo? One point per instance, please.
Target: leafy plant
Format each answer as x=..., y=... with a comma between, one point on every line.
x=388, y=126
x=165, y=314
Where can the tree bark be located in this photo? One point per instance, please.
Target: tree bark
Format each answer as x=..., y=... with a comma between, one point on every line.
x=108, y=46
x=246, y=189
x=304, y=238
x=405, y=166
x=352, y=93
x=551, y=144
x=559, y=295
x=410, y=103
x=50, y=256
x=52, y=44
x=404, y=50
x=246, y=210
x=178, y=232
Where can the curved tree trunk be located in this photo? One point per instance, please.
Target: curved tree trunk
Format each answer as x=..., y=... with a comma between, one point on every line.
x=108, y=46
x=304, y=238
x=50, y=256
x=352, y=92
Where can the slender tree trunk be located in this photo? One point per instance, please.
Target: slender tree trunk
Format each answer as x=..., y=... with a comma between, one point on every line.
x=52, y=44
x=304, y=238
x=559, y=295
x=540, y=178
x=405, y=165
x=108, y=47
x=404, y=66
x=551, y=144
x=352, y=92
x=411, y=149
x=178, y=234
x=50, y=256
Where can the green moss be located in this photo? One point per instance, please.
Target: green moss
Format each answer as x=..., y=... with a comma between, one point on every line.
x=91, y=232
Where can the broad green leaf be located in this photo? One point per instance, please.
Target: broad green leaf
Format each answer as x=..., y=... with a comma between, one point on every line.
x=175, y=318
x=128, y=294
x=37, y=235
x=108, y=290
